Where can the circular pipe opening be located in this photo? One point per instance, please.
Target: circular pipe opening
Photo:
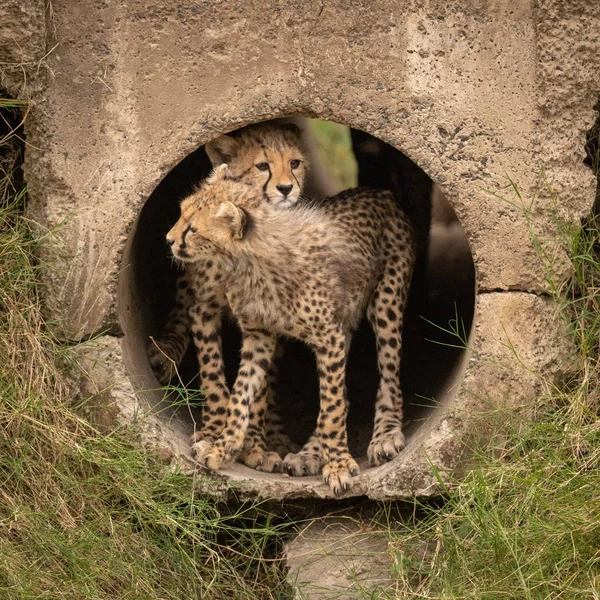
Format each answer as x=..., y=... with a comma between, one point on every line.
x=438, y=319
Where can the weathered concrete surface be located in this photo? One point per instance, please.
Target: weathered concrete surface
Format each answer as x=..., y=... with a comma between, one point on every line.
x=474, y=92
x=357, y=556
x=471, y=91
x=339, y=558
x=23, y=44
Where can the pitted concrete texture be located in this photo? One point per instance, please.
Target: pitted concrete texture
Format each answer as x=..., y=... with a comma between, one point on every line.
x=472, y=92
x=23, y=44
x=114, y=400
x=339, y=558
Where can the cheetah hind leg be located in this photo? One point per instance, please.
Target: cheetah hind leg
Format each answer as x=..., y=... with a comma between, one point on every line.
x=259, y=458
x=386, y=315
x=166, y=353
x=164, y=358
x=256, y=452
x=276, y=438
x=278, y=441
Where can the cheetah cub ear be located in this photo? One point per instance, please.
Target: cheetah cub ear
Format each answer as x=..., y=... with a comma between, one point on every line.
x=234, y=217
x=221, y=150
x=220, y=173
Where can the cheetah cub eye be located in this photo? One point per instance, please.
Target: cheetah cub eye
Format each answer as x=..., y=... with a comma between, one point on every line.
x=294, y=163
x=262, y=166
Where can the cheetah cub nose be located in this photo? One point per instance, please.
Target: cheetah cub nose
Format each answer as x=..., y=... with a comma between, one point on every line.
x=170, y=242
x=285, y=189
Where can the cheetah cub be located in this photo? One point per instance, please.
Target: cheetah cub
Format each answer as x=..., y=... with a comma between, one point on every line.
x=270, y=159
x=309, y=273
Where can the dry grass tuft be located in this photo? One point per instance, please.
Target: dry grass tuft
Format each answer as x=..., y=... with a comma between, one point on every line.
x=86, y=515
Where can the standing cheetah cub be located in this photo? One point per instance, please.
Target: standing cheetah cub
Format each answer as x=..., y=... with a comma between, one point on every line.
x=308, y=273
x=269, y=158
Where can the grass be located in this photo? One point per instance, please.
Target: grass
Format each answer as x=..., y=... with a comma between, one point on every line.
x=86, y=515
x=525, y=522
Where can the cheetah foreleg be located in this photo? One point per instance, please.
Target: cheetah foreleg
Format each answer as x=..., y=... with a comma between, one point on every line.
x=276, y=438
x=265, y=422
x=255, y=452
x=256, y=355
x=206, y=319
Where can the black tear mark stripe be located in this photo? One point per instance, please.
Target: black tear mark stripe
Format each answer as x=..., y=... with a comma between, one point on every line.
x=296, y=179
x=183, y=235
x=268, y=179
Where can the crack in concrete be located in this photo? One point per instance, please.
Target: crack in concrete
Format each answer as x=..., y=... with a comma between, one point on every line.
x=539, y=294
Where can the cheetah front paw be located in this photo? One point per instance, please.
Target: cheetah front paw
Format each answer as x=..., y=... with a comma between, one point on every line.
x=209, y=454
x=197, y=436
x=261, y=460
x=303, y=463
x=224, y=451
x=338, y=475
x=159, y=356
x=385, y=447
x=200, y=449
x=214, y=457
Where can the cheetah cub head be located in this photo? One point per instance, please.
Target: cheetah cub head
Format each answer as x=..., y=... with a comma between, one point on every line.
x=210, y=223
x=268, y=157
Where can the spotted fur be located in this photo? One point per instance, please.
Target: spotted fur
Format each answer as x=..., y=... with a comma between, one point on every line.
x=271, y=160
x=308, y=273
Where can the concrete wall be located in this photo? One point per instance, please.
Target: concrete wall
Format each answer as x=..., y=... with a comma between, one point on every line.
x=473, y=92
